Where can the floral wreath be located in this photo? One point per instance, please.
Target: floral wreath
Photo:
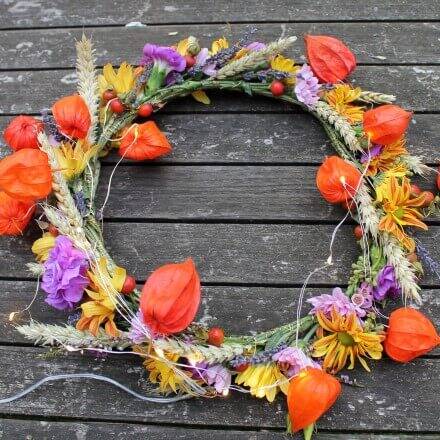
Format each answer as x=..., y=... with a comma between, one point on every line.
x=56, y=163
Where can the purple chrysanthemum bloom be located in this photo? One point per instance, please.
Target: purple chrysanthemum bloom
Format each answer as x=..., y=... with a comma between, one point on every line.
x=371, y=153
x=138, y=332
x=386, y=284
x=338, y=300
x=64, y=277
x=165, y=60
x=307, y=86
x=295, y=360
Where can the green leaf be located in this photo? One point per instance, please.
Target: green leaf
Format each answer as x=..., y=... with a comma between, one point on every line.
x=247, y=88
x=308, y=431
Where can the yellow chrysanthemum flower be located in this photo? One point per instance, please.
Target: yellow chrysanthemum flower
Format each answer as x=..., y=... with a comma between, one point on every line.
x=386, y=159
x=264, y=380
x=101, y=307
x=121, y=81
x=346, y=340
x=163, y=372
x=399, y=170
x=285, y=65
x=341, y=97
x=218, y=45
x=401, y=210
x=74, y=158
x=42, y=247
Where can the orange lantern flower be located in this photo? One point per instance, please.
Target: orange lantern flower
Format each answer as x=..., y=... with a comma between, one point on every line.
x=144, y=141
x=26, y=175
x=14, y=215
x=170, y=297
x=72, y=116
x=337, y=180
x=311, y=393
x=410, y=334
x=330, y=59
x=22, y=132
x=386, y=124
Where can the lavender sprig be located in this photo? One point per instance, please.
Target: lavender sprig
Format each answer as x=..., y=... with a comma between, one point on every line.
x=432, y=265
x=266, y=75
x=259, y=358
x=50, y=126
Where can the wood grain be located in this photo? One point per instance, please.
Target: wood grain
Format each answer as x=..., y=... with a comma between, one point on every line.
x=224, y=253
x=47, y=13
x=417, y=87
x=262, y=138
x=384, y=45
x=50, y=430
x=382, y=404
x=239, y=310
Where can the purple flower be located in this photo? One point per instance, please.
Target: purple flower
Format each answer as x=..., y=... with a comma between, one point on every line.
x=64, y=277
x=386, y=284
x=201, y=58
x=337, y=300
x=363, y=298
x=295, y=359
x=256, y=46
x=215, y=375
x=371, y=153
x=165, y=60
x=138, y=332
x=164, y=57
x=307, y=86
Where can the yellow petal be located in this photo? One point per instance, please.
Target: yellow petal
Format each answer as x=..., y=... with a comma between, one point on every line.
x=201, y=96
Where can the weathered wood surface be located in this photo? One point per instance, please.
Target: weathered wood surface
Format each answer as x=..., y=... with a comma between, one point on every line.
x=261, y=138
x=31, y=91
x=383, y=46
x=268, y=254
x=47, y=13
x=239, y=309
x=49, y=430
x=237, y=194
x=380, y=405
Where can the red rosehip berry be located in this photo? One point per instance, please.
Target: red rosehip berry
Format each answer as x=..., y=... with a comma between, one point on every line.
x=241, y=367
x=145, y=110
x=438, y=178
x=216, y=336
x=129, y=285
x=53, y=231
x=415, y=189
x=117, y=106
x=429, y=197
x=108, y=95
x=358, y=232
x=277, y=88
x=190, y=61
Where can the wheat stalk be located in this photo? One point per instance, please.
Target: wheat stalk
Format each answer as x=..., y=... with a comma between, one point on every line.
x=415, y=164
x=375, y=97
x=54, y=335
x=341, y=124
x=254, y=58
x=367, y=213
x=88, y=82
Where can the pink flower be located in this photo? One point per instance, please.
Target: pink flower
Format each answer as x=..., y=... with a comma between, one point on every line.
x=338, y=300
x=293, y=360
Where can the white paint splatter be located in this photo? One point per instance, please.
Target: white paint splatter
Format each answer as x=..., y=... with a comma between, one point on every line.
x=168, y=8
x=71, y=78
x=24, y=44
x=135, y=24
x=23, y=6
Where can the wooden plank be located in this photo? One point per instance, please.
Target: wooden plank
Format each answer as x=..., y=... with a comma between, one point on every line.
x=216, y=192
x=417, y=88
x=239, y=310
x=46, y=13
x=50, y=430
x=384, y=45
x=262, y=138
x=381, y=405
x=224, y=253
